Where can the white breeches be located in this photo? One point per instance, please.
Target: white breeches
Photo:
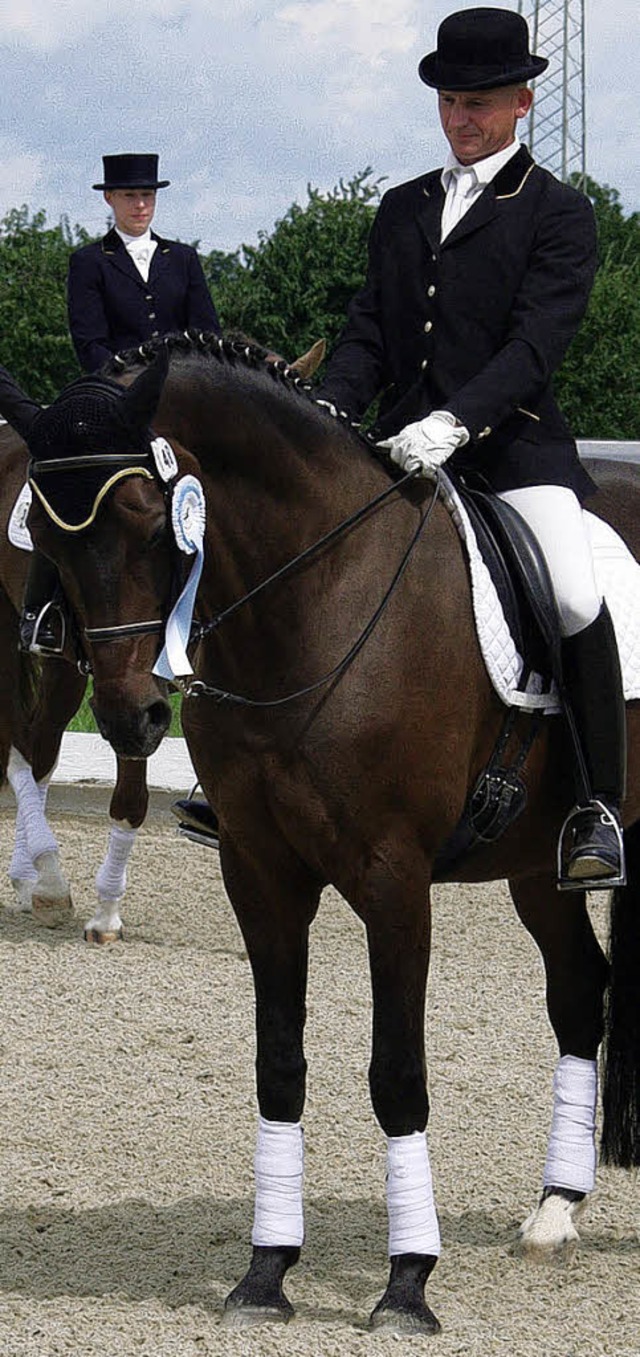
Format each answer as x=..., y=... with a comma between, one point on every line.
x=554, y=514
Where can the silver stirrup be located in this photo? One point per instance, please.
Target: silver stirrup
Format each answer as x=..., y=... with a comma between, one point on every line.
x=35, y=647
x=596, y=883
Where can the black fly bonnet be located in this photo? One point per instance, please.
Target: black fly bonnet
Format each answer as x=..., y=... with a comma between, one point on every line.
x=85, y=429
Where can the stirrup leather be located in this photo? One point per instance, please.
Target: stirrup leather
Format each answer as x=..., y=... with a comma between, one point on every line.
x=606, y=882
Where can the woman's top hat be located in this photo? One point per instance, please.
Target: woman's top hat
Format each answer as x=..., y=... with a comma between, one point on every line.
x=481, y=49
x=131, y=171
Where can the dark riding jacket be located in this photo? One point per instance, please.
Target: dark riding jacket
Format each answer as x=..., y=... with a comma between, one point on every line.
x=476, y=324
x=112, y=308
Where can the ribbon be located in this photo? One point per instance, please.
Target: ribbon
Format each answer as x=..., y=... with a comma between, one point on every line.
x=18, y=530
x=188, y=521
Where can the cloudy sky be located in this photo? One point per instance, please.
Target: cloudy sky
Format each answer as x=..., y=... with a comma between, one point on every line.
x=248, y=101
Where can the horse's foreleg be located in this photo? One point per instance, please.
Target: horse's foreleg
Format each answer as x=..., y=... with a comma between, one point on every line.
x=35, y=841
x=127, y=810
x=274, y=906
x=576, y=976
x=398, y=929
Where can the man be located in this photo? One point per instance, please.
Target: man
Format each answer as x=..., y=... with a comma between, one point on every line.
x=129, y=287
x=478, y=277
x=133, y=285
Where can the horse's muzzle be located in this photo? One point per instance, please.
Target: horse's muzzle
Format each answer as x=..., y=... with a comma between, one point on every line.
x=133, y=732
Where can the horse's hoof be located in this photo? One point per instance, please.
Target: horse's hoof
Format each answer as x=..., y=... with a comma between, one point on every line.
x=259, y=1298
x=403, y=1309
x=251, y=1316
x=404, y=1323
x=51, y=912
x=549, y=1232
x=22, y=900
x=98, y=935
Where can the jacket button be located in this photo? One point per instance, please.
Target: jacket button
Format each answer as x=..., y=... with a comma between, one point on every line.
x=149, y=297
x=484, y=433
x=154, y=334
x=428, y=327
x=431, y=292
x=152, y=315
x=424, y=364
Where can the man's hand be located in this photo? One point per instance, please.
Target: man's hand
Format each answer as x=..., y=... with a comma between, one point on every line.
x=424, y=446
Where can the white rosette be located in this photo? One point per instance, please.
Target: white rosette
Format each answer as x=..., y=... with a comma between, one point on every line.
x=188, y=518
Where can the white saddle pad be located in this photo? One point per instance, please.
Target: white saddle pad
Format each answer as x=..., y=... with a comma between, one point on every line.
x=618, y=579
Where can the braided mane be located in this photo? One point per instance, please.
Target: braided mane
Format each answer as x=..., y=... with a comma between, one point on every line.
x=232, y=350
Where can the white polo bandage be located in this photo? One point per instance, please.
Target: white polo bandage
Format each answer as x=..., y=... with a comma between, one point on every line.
x=111, y=876
x=279, y=1169
x=413, y=1223
x=571, y=1155
x=37, y=834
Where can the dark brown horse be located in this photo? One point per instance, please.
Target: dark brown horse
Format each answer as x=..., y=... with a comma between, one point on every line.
x=37, y=701
x=338, y=720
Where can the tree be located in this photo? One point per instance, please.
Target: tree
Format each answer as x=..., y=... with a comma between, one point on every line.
x=34, y=258
x=294, y=286
x=598, y=385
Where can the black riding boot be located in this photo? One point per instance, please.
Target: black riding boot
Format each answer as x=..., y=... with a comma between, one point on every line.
x=42, y=625
x=594, y=857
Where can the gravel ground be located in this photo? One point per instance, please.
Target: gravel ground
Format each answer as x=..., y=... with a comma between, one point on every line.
x=128, y=1122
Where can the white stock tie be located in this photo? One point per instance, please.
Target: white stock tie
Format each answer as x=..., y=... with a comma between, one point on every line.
x=458, y=199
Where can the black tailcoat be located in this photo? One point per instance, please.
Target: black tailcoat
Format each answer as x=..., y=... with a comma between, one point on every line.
x=111, y=308
x=476, y=324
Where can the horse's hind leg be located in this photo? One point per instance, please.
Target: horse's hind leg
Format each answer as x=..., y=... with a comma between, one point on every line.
x=396, y=912
x=576, y=975
x=275, y=900
x=127, y=811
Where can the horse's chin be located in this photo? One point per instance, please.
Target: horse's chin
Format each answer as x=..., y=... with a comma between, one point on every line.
x=134, y=734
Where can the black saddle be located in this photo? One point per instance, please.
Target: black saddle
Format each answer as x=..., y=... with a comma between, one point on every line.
x=521, y=577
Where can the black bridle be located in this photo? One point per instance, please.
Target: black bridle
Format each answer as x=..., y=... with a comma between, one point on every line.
x=192, y=687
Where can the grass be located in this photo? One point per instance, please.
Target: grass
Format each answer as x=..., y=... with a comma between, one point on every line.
x=84, y=719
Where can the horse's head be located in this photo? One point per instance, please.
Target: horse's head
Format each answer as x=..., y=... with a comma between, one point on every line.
x=101, y=513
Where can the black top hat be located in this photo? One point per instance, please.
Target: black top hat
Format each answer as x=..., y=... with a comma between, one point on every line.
x=131, y=171
x=481, y=49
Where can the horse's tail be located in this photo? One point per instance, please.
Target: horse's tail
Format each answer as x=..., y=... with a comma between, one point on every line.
x=621, y=1046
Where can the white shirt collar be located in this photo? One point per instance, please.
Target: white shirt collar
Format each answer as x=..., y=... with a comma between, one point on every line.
x=483, y=171
x=132, y=243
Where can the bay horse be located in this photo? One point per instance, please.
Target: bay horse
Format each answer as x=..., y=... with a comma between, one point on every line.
x=38, y=698
x=338, y=716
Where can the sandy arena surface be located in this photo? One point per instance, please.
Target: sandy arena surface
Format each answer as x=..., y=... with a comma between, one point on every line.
x=128, y=1123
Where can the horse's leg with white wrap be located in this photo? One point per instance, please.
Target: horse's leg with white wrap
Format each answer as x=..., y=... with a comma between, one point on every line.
x=105, y=925
x=570, y=1168
x=278, y=1224
x=22, y=872
x=51, y=898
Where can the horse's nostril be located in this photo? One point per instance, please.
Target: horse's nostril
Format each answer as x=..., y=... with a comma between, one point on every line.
x=159, y=715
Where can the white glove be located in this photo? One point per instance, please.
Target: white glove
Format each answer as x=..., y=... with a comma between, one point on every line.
x=425, y=445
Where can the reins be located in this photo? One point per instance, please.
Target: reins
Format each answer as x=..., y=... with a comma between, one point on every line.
x=198, y=688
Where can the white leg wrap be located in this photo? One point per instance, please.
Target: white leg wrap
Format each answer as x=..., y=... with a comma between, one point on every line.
x=413, y=1223
x=279, y=1168
x=111, y=876
x=571, y=1155
x=39, y=837
x=21, y=867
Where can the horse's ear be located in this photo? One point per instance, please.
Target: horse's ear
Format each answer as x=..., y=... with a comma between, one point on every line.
x=18, y=409
x=141, y=399
x=309, y=362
